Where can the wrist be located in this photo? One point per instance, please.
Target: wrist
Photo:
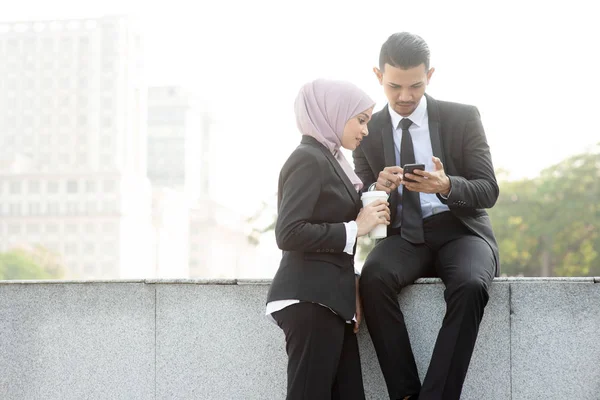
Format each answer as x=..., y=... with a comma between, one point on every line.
x=360, y=229
x=360, y=232
x=447, y=185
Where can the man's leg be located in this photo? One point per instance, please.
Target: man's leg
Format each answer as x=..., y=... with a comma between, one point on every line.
x=314, y=339
x=466, y=265
x=393, y=264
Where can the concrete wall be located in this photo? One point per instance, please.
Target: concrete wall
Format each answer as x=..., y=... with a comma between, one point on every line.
x=168, y=340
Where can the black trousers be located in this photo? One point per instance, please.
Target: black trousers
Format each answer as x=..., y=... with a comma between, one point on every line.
x=323, y=358
x=466, y=265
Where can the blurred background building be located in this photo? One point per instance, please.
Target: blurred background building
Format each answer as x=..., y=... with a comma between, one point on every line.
x=73, y=144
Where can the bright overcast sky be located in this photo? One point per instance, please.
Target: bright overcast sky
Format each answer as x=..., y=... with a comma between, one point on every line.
x=530, y=68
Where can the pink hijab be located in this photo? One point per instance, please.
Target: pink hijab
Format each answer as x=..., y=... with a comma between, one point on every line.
x=322, y=109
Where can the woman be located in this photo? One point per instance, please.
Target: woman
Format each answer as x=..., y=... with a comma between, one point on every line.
x=314, y=295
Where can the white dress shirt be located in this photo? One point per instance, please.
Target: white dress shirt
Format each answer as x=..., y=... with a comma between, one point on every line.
x=419, y=132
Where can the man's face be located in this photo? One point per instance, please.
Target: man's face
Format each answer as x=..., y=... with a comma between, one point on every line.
x=404, y=88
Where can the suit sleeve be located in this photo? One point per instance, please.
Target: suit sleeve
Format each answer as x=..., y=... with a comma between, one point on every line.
x=299, y=190
x=363, y=169
x=478, y=187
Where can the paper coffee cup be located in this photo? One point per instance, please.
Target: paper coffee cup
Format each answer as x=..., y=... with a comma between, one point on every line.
x=380, y=231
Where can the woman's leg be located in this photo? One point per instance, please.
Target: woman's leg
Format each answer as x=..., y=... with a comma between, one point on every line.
x=348, y=383
x=314, y=339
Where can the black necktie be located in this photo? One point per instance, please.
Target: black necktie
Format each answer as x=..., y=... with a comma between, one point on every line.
x=412, y=219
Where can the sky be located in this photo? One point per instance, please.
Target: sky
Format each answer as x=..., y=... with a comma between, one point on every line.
x=529, y=66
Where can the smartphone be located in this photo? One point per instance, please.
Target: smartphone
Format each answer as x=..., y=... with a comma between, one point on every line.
x=410, y=168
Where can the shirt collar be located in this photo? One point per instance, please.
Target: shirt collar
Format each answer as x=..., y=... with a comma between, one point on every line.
x=417, y=117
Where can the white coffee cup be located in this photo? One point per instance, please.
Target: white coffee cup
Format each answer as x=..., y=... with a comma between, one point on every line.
x=380, y=231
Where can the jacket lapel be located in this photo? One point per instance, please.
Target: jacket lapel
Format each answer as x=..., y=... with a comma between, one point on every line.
x=389, y=152
x=336, y=166
x=434, y=128
x=387, y=137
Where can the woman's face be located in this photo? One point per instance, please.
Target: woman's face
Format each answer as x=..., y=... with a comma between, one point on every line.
x=356, y=129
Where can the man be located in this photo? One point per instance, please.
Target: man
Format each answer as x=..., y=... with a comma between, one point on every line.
x=439, y=226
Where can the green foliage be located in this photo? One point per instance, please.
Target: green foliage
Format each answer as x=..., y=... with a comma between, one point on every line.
x=37, y=263
x=549, y=226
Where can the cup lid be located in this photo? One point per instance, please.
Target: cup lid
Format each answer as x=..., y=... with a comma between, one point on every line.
x=374, y=193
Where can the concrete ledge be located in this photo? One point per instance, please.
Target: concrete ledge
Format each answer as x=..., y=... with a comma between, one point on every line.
x=199, y=339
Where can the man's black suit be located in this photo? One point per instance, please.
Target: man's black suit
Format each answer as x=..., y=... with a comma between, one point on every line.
x=459, y=247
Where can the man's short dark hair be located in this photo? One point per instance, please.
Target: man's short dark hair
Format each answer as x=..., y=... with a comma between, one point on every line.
x=404, y=50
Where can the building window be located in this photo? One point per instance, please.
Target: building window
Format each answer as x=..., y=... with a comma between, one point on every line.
x=35, y=209
x=65, y=158
x=15, y=209
x=10, y=140
x=84, y=41
x=52, y=228
x=47, y=83
x=89, y=270
x=81, y=159
x=46, y=121
x=34, y=186
x=106, y=159
x=52, y=187
x=109, y=186
x=33, y=228
x=90, y=186
x=89, y=248
x=53, y=208
x=107, y=267
x=72, y=208
x=106, y=141
x=15, y=187
x=64, y=121
x=71, y=228
x=14, y=229
x=108, y=249
x=110, y=206
x=71, y=249
x=28, y=121
x=91, y=207
x=109, y=227
x=72, y=186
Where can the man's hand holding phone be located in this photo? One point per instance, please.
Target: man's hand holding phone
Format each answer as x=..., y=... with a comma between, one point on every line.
x=416, y=179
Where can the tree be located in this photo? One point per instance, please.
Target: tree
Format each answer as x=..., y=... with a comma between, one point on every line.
x=35, y=263
x=549, y=226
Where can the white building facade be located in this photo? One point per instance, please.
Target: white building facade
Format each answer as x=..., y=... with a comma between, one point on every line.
x=73, y=145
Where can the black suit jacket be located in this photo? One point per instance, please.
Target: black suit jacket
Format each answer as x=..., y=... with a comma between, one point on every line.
x=315, y=198
x=458, y=140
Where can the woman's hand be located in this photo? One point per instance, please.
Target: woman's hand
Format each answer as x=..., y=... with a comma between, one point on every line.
x=369, y=217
